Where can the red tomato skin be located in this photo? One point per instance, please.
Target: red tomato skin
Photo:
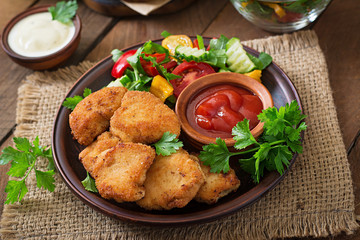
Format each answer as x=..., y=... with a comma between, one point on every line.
x=148, y=66
x=196, y=44
x=289, y=17
x=152, y=71
x=121, y=64
x=169, y=65
x=190, y=71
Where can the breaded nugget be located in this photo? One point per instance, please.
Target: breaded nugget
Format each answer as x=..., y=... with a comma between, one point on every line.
x=143, y=118
x=91, y=116
x=171, y=182
x=88, y=156
x=216, y=185
x=121, y=171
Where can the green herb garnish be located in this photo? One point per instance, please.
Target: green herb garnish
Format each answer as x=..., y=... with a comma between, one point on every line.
x=168, y=144
x=23, y=160
x=116, y=54
x=89, y=183
x=64, y=11
x=262, y=62
x=165, y=34
x=71, y=102
x=272, y=151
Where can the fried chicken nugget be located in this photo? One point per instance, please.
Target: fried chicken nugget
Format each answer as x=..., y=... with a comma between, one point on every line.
x=171, y=182
x=91, y=116
x=121, y=171
x=143, y=118
x=88, y=156
x=217, y=185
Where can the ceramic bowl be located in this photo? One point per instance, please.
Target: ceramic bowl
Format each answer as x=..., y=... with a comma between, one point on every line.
x=43, y=62
x=194, y=137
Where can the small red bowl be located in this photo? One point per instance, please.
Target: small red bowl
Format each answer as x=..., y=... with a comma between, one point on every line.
x=43, y=62
x=198, y=139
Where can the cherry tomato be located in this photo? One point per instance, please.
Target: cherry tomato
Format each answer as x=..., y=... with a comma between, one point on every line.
x=289, y=17
x=148, y=65
x=172, y=41
x=121, y=64
x=190, y=71
x=196, y=45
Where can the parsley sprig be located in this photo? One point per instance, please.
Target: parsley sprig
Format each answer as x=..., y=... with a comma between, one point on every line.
x=64, y=11
x=168, y=144
x=273, y=151
x=71, y=102
x=89, y=183
x=23, y=160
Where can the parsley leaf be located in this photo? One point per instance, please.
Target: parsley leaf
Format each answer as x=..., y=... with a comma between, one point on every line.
x=116, y=54
x=45, y=180
x=242, y=135
x=274, y=149
x=23, y=160
x=168, y=144
x=89, y=184
x=216, y=156
x=165, y=34
x=64, y=11
x=71, y=102
x=15, y=190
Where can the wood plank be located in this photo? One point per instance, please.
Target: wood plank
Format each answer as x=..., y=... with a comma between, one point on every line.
x=10, y=8
x=339, y=39
x=12, y=74
x=129, y=31
x=234, y=26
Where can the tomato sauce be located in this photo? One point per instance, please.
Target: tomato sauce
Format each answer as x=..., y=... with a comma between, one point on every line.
x=216, y=110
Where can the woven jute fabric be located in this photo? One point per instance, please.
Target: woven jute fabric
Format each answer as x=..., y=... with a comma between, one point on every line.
x=315, y=199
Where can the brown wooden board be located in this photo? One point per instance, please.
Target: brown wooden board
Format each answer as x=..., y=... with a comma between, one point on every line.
x=191, y=21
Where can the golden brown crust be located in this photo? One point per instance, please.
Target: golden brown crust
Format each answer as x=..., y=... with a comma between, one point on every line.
x=91, y=116
x=143, y=118
x=88, y=156
x=217, y=185
x=171, y=182
x=121, y=171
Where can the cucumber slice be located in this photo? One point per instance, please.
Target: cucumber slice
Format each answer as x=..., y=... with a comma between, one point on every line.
x=190, y=52
x=237, y=59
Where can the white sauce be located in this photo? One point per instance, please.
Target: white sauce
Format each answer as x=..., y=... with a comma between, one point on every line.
x=38, y=35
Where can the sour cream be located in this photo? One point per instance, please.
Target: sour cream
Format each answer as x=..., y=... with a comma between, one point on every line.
x=38, y=35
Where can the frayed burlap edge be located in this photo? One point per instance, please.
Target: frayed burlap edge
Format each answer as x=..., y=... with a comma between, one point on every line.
x=308, y=224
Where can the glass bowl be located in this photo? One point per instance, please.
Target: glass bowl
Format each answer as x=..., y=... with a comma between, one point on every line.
x=281, y=15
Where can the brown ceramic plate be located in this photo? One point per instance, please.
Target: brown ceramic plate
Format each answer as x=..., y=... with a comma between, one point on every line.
x=66, y=151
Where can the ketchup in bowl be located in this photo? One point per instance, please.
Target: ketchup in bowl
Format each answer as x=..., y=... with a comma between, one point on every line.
x=217, y=109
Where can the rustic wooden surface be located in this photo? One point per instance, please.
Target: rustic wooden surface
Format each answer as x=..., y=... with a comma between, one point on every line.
x=337, y=29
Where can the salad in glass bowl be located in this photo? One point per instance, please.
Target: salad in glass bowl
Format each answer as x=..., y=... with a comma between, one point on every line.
x=280, y=15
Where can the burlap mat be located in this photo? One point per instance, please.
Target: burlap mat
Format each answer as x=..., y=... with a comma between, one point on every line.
x=315, y=199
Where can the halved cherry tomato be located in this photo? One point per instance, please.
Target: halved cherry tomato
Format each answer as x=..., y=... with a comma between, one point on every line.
x=121, y=64
x=172, y=41
x=196, y=45
x=289, y=17
x=190, y=71
x=148, y=65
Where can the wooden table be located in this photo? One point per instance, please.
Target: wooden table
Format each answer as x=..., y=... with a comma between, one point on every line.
x=337, y=29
